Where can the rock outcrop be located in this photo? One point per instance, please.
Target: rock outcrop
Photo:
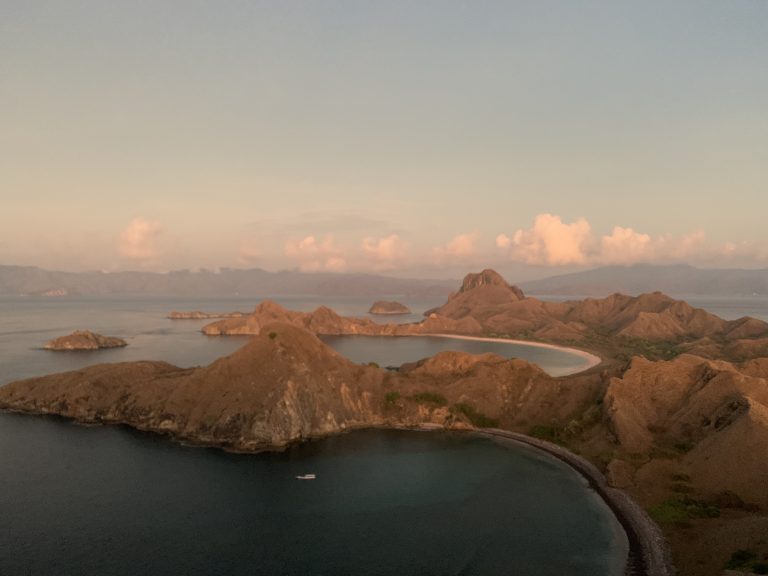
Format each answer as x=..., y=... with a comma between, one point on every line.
x=387, y=307
x=84, y=340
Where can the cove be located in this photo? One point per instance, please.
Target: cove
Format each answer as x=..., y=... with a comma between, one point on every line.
x=397, y=350
x=113, y=501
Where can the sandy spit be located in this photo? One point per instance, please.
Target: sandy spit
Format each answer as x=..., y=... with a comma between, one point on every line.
x=591, y=360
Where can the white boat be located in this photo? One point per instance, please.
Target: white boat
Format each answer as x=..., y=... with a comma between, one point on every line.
x=306, y=477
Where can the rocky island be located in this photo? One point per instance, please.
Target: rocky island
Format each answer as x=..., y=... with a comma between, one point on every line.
x=198, y=315
x=84, y=340
x=676, y=416
x=387, y=307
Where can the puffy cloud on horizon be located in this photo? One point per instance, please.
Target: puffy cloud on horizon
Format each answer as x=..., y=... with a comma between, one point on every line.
x=316, y=256
x=552, y=242
x=140, y=240
x=384, y=253
x=461, y=247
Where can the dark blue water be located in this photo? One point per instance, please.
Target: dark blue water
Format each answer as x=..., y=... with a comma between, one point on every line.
x=109, y=501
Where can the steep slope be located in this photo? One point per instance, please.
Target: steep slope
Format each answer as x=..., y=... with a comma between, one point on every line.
x=714, y=411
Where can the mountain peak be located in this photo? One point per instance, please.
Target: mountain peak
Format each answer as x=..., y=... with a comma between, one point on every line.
x=488, y=277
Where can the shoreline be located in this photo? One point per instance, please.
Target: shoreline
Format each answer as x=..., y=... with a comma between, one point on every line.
x=649, y=553
x=592, y=360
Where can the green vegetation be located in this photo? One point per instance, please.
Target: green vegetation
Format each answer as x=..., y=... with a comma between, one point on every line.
x=390, y=398
x=476, y=418
x=549, y=433
x=429, y=398
x=374, y=364
x=741, y=560
x=684, y=447
x=272, y=335
x=746, y=560
x=681, y=509
x=681, y=488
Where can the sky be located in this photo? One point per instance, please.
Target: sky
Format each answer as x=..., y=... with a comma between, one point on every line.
x=419, y=138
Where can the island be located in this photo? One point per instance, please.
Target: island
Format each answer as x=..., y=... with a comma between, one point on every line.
x=387, y=307
x=84, y=340
x=198, y=315
x=674, y=419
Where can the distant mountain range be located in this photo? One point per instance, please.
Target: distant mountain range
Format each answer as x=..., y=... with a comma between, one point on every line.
x=33, y=281
x=641, y=278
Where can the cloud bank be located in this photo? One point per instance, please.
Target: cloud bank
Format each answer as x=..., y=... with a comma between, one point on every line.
x=316, y=256
x=384, y=253
x=552, y=242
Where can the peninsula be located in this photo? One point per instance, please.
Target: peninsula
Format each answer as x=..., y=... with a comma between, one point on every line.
x=676, y=415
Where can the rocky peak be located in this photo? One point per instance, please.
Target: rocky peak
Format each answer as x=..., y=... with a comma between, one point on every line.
x=488, y=277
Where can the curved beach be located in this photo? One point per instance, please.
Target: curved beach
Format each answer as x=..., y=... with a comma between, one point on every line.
x=591, y=360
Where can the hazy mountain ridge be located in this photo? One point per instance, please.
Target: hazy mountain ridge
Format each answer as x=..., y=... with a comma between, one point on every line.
x=640, y=278
x=33, y=281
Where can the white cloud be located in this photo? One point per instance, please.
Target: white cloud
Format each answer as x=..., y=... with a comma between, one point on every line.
x=460, y=248
x=503, y=241
x=625, y=245
x=314, y=256
x=140, y=240
x=384, y=253
x=553, y=242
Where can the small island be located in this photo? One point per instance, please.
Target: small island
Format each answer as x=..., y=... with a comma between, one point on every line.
x=198, y=315
x=388, y=308
x=84, y=340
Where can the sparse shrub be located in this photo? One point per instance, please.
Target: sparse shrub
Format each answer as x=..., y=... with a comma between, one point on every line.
x=390, y=398
x=741, y=559
x=272, y=335
x=429, y=398
x=681, y=509
x=681, y=488
x=373, y=364
x=548, y=433
x=476, y=418
x=684, y=447
x=681, y=478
